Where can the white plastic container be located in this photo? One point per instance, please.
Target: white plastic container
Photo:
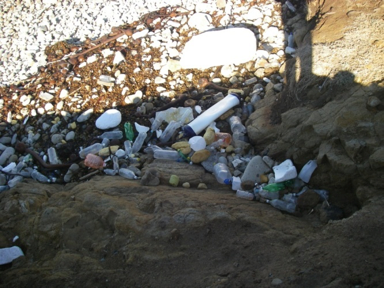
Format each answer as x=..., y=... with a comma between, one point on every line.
x=306, y=172
x=200, y=123
x=236, y=183
x=285, y=171
x=222, y=173
x=197, y=143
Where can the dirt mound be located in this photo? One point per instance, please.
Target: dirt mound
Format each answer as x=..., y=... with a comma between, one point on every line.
x=113, y=232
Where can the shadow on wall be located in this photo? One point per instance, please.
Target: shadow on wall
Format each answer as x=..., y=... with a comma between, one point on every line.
x=331, y=108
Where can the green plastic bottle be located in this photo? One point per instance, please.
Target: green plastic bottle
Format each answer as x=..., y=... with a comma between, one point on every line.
x=128, y=129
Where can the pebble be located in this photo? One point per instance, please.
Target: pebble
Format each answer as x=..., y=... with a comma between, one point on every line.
x=109, y=119
x=202, y=186
x=174, y=180
x=186, y=185
x=85, y=116
x=56, y=138
x=200, y=156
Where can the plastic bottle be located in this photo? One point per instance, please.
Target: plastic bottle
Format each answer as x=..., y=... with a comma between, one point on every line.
x=236, y=125
x=115, y=161
x=322, y=193
x=156, y=123
x=273, y=187
x=93, y=149
x=110, y=172
x=52, y=156
x=126, y=173
x=291, y=40
x=138, y=142
x=16, y=179
x=200, y=123
x=94, y=161
x=222, y=173
x=269, y=194
x=116, y=134
x=245, y=195
x=168, y=132
x=226, y=137
x=128, y=147
x=150, y=149
x=166, y=154
x=39, y=177
x=306, y=172
x=282, y=205
x=105, y=142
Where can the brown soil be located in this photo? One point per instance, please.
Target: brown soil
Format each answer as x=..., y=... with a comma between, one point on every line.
x=111, y=232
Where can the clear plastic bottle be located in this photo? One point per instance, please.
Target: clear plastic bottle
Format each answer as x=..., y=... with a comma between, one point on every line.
x=93, y=149
x=116, y=134
x=269, y=194
x=282, y=205
x=138, y=142
x=166, y=154
x=236, y=125
x=126, y=173
x=245, y=195
x=105, y=142
x=222, y=173
x=16, y=179
x=39, y=177
x=116, y=165
x=168, y=132
x=128, y=147
x=52, y=156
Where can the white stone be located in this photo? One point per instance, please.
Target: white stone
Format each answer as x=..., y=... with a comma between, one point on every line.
x=140, y=34
x=216, y=48
x=119, y=57
x=200, y=21
x=227, y=71
x=106, y=52
x=131, y=99
x=253, y=14
x=63, y=94
x=85, y=115
x=159, y=80
x=91, y=59
x=48, y=107
x=46, y=96
x=109, y=119
x=120, y=79
x=106, y=80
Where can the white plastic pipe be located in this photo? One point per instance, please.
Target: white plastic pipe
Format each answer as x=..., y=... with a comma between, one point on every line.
x=207, y=117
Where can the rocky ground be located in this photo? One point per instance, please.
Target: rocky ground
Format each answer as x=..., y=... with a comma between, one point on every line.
x=311, y=103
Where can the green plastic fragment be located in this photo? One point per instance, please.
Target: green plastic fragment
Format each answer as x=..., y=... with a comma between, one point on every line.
x=129, y=134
